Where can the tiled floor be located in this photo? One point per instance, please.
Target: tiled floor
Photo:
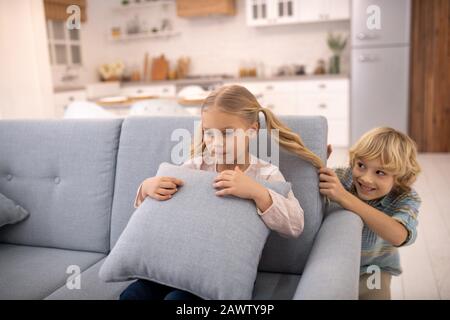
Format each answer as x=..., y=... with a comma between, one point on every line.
x=426, y=263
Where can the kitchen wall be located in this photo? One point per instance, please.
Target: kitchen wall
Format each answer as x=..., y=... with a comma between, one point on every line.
x=215, y=44
x=25, y=79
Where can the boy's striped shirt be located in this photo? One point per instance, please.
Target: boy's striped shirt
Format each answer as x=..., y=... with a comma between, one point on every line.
x=401, y=206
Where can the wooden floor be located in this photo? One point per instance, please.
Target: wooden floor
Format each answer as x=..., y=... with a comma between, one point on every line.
x=426, y=263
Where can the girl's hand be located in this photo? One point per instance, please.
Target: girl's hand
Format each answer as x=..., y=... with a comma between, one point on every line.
x=331, y=186
x=236, y=183
x=160, y=188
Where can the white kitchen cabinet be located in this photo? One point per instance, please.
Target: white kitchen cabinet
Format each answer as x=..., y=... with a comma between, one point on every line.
x=271, y=12
x=279, y=96
x=328, y=98
x=339, y=9
x=63, y=99
x=323, y=10
x=277, y=12
x=163, y=91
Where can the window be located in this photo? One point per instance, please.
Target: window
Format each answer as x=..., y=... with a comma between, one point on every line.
x=64, y=44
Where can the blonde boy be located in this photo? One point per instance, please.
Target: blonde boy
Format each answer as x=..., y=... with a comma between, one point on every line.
x=377, y=187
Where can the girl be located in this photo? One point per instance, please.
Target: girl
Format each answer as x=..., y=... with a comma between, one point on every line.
x=224, y=112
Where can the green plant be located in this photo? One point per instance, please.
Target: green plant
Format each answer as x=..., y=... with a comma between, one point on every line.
x=336, y=43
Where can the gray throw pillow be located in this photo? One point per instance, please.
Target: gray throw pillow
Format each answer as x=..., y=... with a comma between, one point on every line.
x=196, y=241
x=10, y=212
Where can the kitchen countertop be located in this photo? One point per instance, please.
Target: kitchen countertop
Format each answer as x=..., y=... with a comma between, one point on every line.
x=295, y=78
x=212, y=80
x=60, y=89
x=207, y=80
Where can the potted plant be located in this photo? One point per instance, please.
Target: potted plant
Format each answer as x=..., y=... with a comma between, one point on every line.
x=336, y=43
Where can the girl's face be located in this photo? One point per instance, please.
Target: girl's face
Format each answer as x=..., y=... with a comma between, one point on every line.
x=371, y=180
x=226, y=135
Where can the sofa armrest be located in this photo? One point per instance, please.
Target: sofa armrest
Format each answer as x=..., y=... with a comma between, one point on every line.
x=332, y=269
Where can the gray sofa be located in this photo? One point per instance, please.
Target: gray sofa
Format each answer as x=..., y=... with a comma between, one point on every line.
x=78, y=179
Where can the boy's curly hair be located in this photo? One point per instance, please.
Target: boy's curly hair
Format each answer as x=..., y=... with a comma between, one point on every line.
x=396, y=151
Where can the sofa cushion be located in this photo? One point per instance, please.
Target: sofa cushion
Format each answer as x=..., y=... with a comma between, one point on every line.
x=196, y=241
x=93, y=288
x=10, y=212
x=63, y=173
x=275, y=286
x=145, y=142
x=282, y=255
x=268, y=286
x=35, y=272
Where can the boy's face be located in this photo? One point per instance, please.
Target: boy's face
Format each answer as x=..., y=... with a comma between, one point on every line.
x=371, y=180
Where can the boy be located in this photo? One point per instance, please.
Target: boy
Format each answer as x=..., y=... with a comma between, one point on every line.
x=377, y=187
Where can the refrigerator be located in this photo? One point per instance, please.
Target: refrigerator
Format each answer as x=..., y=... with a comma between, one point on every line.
x=380, y=53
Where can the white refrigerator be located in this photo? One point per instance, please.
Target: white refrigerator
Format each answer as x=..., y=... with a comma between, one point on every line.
x=380, y=50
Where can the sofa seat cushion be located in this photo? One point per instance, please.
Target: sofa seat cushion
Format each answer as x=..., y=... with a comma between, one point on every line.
x=35, y=272
x=93, y=287
x=275, y=286
x=268, y=286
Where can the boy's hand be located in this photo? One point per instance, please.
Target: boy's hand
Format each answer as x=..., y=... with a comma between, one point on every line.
x=329, y=151
x=331, y=186
x=236, y=183
x=160, y=188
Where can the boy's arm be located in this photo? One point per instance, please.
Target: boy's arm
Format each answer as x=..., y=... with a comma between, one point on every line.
x=383, y=225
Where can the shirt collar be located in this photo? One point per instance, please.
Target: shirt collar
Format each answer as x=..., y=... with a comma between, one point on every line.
x=254, y=163
x=384, y=201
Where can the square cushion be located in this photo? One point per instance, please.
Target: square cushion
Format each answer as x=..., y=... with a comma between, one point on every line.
x=196, y=241
x=28, y=272
x=92, y=288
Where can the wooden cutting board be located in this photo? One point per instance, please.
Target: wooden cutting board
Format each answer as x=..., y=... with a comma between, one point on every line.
x=160, y=68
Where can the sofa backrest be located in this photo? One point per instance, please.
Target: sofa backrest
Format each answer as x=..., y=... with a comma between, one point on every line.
x=62, y=172
x=145, y=142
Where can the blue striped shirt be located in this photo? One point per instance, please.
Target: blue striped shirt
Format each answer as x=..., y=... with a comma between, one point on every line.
x=401, y=206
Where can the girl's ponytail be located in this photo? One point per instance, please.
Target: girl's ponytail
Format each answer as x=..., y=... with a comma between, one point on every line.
x=289, y=140
x=197, y=145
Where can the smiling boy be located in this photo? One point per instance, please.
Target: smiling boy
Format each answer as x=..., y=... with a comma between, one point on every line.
x=377, y=187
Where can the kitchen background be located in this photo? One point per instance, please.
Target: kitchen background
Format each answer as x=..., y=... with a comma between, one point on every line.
x=218, y=44
x=269, y=45
x=162, y=57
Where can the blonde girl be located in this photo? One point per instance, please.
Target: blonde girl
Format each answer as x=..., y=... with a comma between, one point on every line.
x=225, y=111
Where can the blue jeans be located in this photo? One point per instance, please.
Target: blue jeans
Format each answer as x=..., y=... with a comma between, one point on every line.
x=149, y=290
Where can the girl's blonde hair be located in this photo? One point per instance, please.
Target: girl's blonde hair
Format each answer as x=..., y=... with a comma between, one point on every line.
x=238, y=100
x=396, y=151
